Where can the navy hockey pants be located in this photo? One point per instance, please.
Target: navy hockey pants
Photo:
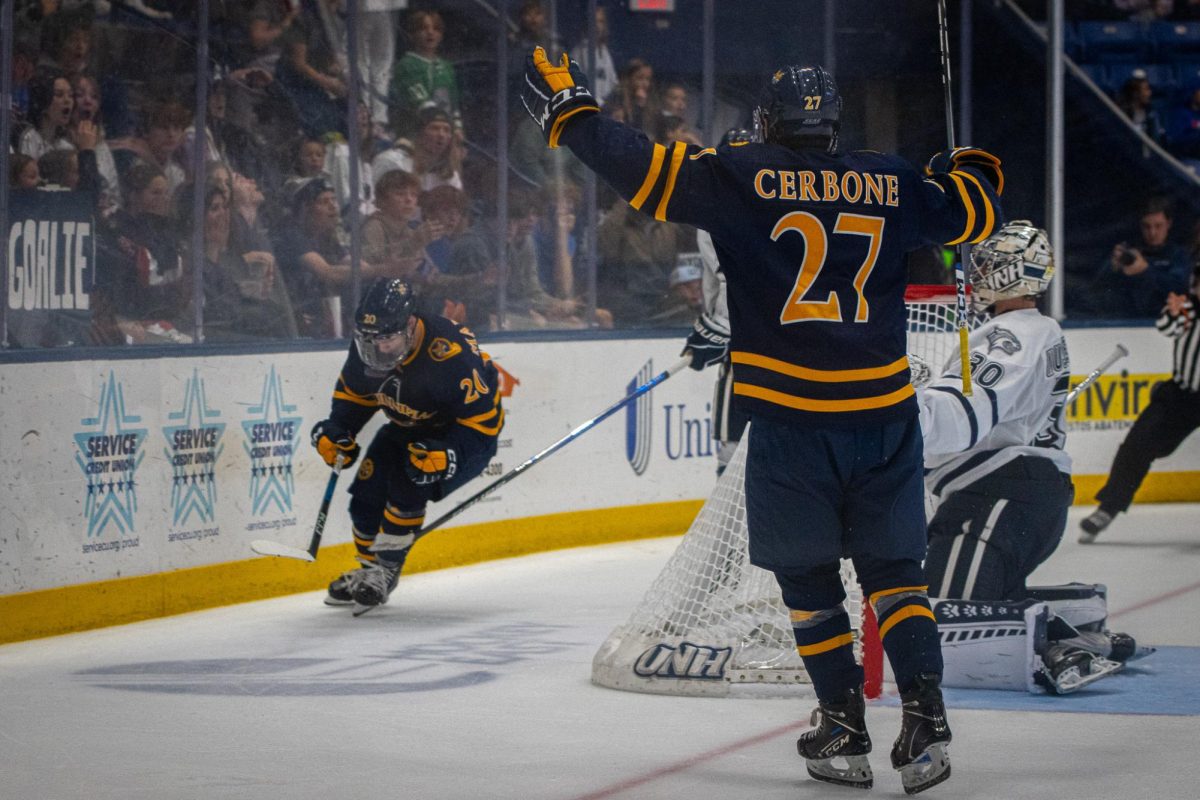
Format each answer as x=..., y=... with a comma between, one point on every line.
x=986, y=538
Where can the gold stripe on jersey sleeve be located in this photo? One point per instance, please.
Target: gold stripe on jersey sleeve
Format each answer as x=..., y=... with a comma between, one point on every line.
x=656, y=162
x=344, y=392
x=818, y=375
x=477, y=423
x=989, y=213
x=677, y=154
x=970, y=207
x=824, y=406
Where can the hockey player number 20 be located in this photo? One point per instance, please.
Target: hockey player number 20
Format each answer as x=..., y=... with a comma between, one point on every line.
x=816, y=247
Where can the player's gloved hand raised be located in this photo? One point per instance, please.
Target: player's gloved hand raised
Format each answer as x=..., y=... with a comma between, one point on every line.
x=553, y=93
x=430, y=462
x=332, y=440
x=707, y=343
x=959, y=157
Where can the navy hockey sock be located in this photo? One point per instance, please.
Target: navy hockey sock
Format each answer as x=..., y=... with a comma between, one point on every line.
x=908, y=632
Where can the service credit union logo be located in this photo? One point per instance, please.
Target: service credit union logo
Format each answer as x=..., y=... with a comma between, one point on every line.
x=272, y=433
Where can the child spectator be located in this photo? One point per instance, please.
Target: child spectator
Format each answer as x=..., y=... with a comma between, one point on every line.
x=338, y=164
x=437, y=158
x=23, y=172
x=392, y=236
x=86, y=95
x=422, y=77
x=50, y=104
x=463, y=276
x=672, y=118
x=162, y=136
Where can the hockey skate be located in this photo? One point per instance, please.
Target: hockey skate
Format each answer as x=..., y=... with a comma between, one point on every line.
x=341, y=588
x=920, y=751
x=840, y=736
x=1091, y=525
x=375, y=586
x=1068, y=668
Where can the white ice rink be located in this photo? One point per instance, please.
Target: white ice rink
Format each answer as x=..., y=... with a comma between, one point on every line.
x=474, y=683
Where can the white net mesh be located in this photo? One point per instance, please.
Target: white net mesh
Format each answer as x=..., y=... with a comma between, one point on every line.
x=714, y=624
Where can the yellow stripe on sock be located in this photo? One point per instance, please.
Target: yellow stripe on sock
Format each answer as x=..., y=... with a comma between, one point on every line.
x=903, y=614
x=831, y=643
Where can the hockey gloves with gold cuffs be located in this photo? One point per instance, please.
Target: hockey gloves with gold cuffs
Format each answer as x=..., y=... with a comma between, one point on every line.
x=553, y=93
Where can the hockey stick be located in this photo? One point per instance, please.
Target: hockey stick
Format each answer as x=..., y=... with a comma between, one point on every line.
x=563, y=442
x=1113, y=358
x=266, y=547
x=960, y=269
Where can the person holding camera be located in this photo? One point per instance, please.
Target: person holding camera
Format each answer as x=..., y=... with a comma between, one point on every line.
x=1133, y=280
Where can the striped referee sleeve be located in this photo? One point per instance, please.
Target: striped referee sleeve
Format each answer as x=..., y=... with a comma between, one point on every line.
x=1186, y=356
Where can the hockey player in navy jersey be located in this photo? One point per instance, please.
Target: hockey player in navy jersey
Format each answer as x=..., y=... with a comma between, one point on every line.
x=812, y=243
x=1000, y=481
x=441, y=395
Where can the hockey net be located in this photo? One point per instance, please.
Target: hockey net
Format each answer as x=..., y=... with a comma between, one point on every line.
x=714, y=624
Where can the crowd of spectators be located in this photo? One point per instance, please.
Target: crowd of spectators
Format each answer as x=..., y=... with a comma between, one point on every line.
x=101, y=103
x=91, y=114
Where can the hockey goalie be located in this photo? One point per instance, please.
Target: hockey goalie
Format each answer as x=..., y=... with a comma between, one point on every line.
x=1000, y=483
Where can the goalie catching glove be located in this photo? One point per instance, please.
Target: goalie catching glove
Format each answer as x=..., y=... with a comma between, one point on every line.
x=959, y=157
x=553, y=93
x=430, y=462
x=332, y=440
x=707, y=344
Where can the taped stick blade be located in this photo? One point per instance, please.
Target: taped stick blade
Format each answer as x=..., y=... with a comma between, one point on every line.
x=265, y=547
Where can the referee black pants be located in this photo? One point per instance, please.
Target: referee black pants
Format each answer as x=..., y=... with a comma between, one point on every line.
x=1173, y=413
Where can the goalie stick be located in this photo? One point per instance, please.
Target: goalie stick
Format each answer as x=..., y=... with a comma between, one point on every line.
x=267, y=548
x=1120, y=352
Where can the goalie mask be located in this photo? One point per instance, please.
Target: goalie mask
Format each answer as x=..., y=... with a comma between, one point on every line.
x=1016, y=261
x=800, y=110
x=381, y=324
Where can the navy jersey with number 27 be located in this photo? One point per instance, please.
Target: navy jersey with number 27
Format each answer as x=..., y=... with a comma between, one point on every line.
x=813, y=246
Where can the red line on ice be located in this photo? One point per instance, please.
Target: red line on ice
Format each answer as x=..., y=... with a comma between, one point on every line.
x=680, y=766
x=1155, y=600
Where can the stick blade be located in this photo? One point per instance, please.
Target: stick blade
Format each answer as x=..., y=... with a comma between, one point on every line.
x=265, y=547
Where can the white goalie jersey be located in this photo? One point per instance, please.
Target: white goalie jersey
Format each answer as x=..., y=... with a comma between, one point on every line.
x=1021, y=374
x=712, y=282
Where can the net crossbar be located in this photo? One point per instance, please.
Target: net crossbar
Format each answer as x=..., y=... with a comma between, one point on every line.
x=713, y=624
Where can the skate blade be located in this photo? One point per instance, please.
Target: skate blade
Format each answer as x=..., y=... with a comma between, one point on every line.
x=1087, y=538
x=1072, y=680
x=360, y=609
x=333, y=601
x=928, y=770
x=1141, y=652
x=856, y=774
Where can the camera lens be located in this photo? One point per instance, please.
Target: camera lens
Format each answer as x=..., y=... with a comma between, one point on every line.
x=1126, y=258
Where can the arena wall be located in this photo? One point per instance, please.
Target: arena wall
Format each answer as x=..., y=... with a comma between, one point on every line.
x=131, y=489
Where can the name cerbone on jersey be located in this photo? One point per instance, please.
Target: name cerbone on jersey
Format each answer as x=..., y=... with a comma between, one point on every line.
x=837, y=226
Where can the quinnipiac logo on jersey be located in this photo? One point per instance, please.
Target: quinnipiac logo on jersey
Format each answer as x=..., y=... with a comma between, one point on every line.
x=272, y=433
x=685, y=661
x=193, y=446
x=639, y=422
x=110, y=451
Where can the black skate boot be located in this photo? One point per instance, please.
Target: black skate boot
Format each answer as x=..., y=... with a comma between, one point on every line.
x=375, y=586
x=840, y=735
x=341, y=588
x=920, y=751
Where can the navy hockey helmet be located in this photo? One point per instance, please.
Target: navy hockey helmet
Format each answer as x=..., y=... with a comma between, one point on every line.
x=800, y=109
x=381, y=323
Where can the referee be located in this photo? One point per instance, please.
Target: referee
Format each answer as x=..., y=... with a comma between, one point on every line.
x=1173, y=413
